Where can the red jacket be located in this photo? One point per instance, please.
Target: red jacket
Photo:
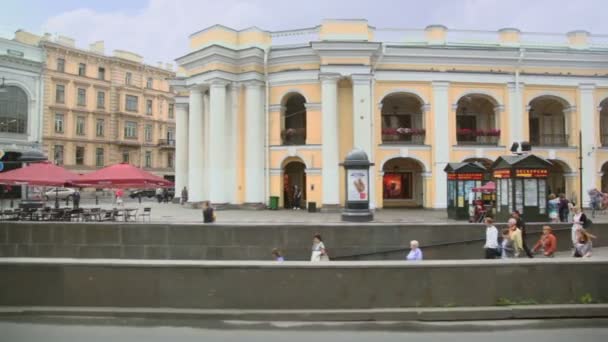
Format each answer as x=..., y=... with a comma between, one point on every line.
x=548, y=243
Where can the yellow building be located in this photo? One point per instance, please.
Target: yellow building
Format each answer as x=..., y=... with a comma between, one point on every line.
x=259, y=112
x=101, y=110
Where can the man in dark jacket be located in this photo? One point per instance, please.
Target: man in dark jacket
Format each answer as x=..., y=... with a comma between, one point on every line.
x=522, y=226
x=563, y=208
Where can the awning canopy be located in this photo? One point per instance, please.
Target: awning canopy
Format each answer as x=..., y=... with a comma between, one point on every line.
x=121, y=176
x=489, y=187
x=39, y=174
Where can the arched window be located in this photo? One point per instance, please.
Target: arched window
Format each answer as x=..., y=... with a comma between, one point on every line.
x=548, y=122
x=294, y=120
x=604, y=122
x=402, y=119
x=476, y=121
x=402, y=184
x=13, y=110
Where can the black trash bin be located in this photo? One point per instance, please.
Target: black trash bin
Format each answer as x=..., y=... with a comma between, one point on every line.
x=312, y=207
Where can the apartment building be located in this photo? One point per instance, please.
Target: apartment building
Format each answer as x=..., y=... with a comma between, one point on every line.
x=105, y=109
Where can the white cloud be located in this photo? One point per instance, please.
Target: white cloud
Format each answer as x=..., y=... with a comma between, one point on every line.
x=159, y=32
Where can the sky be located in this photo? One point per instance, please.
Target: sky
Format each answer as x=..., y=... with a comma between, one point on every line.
x=158, y=29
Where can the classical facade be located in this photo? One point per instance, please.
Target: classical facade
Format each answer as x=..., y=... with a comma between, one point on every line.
x=259, y=112
x=103, y=109
x=21, y=94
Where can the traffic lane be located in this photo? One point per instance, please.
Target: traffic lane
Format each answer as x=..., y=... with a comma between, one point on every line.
x=32, y=332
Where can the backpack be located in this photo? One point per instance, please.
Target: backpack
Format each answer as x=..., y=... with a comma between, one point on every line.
x=587, y=223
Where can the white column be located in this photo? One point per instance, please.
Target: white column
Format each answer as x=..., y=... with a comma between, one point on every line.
x=217, y=142
x=205, y=149
x=516, y=116
x=441, y=143
x=254, y=142
x=195, y=145
x=362, y=125
x=588, y=124
x=232, y=102
x=181, y=147
x=330, y=140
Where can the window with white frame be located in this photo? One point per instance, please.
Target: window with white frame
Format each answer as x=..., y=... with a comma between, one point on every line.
x=131, y=103
x=130, y=129
x=59, y=122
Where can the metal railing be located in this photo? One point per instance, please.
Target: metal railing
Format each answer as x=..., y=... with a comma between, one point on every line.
x=166, y=142
x=549, y=140
x=477, y=140
x=399, y=139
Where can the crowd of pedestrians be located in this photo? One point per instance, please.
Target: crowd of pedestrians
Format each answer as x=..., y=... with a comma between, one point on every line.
x=512, y=242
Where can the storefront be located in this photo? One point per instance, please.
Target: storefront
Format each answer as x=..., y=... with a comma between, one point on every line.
x=521, y=184
x=462, y=179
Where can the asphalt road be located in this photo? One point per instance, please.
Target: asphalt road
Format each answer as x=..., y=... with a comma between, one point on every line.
x=493, y=331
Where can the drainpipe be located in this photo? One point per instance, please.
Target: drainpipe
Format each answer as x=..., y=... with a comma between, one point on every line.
x=266, y=125
x=373, y=113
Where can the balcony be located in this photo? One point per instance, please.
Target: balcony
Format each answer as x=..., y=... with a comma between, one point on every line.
x=557, y=140
x=478, y=137
x=403, y=136
x=294, y=136
x=166, y=143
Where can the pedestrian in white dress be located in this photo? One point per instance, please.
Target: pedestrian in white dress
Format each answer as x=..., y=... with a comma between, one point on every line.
x=318, y=249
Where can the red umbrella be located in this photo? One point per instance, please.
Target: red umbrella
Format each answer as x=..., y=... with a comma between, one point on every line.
x=121, y=175
x=40, y=174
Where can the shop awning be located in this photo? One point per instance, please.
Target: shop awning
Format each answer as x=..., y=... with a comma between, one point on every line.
x=122, y=176
x=489, y=187
x=39, y=174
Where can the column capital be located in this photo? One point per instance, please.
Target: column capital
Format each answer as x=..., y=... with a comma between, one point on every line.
x=440, y=84
x=586, y=87
x=361, y=78
x=218, y=83
x=425, y=108
x=570, y=109
x=511, y=85
x=194, y=90
x=181, y=105
x=329, y=77
x=253, y=84
x=276, y=108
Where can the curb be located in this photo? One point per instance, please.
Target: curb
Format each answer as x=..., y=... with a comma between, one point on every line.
x=516, y=312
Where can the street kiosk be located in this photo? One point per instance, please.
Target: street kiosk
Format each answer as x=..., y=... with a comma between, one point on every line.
x=462, y=179
x=521, y=184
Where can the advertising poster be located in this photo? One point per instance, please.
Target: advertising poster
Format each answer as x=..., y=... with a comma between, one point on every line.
x=358, y=188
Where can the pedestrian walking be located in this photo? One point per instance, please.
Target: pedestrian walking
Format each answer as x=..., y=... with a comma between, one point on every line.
x=119, y=193
x=165, y=195
x=297, y=197
x=563, y=208
x=184, y=198
x=277, y=255
x=515, y=236
x=208, y=213
x=319, y=253
x=159, y=195
x=76, y=199
x=507, y=248
x=579, y=221
x=583, y=246
x=553, y=208
x=522, y=227
x=547, y=244
x=491, y=245
x=415, y=251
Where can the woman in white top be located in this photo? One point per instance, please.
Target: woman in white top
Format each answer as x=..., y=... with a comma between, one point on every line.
x=491, y=245
x=318, y=249
x=578, y=222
